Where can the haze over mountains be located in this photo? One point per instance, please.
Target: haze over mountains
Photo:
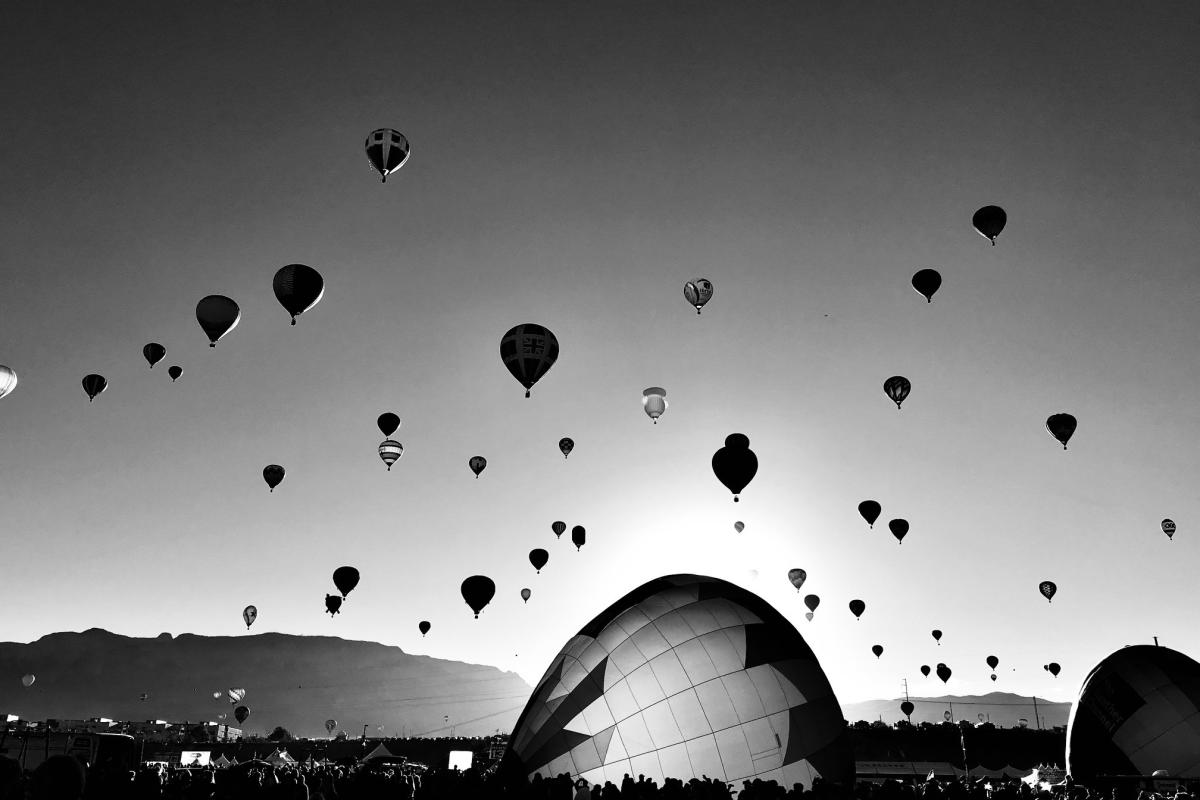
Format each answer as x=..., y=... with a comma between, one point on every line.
x=1002, y=709
x=294, y=681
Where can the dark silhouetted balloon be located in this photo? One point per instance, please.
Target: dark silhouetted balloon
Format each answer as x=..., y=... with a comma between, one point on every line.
x=217, y=315
x=927, y=282
x=993, y=662
x=175, y=372
x=526, y=594
x=899, y=529
x=578, y=537
x=390, y=450
x=993, y=676
x=241, y=713
x=559, y=527
x=812, y=601
x=528, y=351
x=735, y=464
x=333, y=604
x=298, y=288
x=1061, y=427
x=273, y=475
x=1168, y=527
x=989, y=221
x=1054, y=669
x=387, y=150
x=906, y=708
x=477, y=464
x=478, y=591
x=388, y=423
x=925, y=670
x=937, y=636
x=698, y=292
x=857, y=607
x=877, y=650
x=897, y=387
x=1048, y=589
x=94, y=384
x=423, y=626
x=345, y=579
x=797, y=577
x=566, y=445
x=154, y=353
x=943, y=672
x=538, y=558
x=249, y=614
x=870, y=511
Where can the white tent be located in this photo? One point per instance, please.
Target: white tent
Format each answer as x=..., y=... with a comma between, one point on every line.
x=279, y=758
x=379, y=752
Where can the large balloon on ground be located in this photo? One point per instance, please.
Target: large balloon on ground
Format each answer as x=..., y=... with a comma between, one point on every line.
x=298, y=288
x=735, y=464
x=728, y=689
x=217, y=315
x=387, y=150
x=528, y=351
x=478, y=591
x=345, y=579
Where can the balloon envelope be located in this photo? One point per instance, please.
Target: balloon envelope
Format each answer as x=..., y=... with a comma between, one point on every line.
x=989, y=221
x=993, y=662
x=654, y=402
x=345, y=579
x=897, y=387
x=869, y=509
x=698, y=292
x=387, y=150
x=808, y=616
x=333, y=604
x=249, y=614
x=8, y=380
x=241, y=713
x=217, y=315
x=937, y=636
x=1048, y=589
x=906, y=708
x=154, y=353
x=797, y=577
x=739, y=526
x=925, y=670
x=857, y=607
x=559, y=527
x=927, y=282
x=298, y=288
x=528, y=352
x=735, y=464
x=93, y=385
x=877, y=650
x=526, y=594
x=899, y=529
x=330, y=724
x=390, y=451
x=478, y=591
x=1054, y=669
x=566, y=445
x=477, y=464
x=235, y=695
x=175, y=372
x=1168, y=527
x=27, y=680
x=538, y=558
x=578, y=536
x=273, y=475
x=943, y=672
x=1061, y=427
x=811, y=601
x=388, y=423
x=423, y=626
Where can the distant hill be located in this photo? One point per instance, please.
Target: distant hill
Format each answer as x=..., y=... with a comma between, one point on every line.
x=1003, y=709
x=294, y=681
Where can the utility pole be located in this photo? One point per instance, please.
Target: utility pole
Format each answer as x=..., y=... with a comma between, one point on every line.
x=1035, y=713
x=364, y=736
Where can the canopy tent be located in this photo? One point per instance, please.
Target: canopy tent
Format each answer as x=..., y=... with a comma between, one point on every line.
x=381, y=751
x=280, y=758
x=221, y=761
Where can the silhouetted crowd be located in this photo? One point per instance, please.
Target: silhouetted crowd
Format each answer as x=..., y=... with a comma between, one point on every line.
x=65, y=778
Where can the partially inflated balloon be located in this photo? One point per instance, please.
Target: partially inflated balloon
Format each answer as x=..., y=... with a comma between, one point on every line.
x=528, y=351
x=897, y=387
x=333, y=604
x=943, y=672
x=925, y=670
x=1168, y=527
x=739, y=526
x=94, y=384
x=877, y=650
x=241, y=713
x=1061, y=427
x=559, y=527
x=8, y=380
x=906, y=708
x=927, y=282
x=812, y=601
x=654, y=402
x=698, y=292
x=27, y=680
x=566, y=445
x=857, y=607
x=937, y=636
x=1048, y=589
x=1054, y=669
x=273, y=475
x=390, y=451
x=899, y=529
x=298, y=288
x=578, y=537
x=345, y=579
x=387, y=150
x=526, y=594
x=423, y=626
x=478, y=591
x=249, y=614
x=175, y=372
x=735, y=464
x=154, y=353
x=477, y=464
x=993, y=662
x=989, y=221
x=217, y=315
x=538, y=558
x=870, y=511
x=797, y=577
x=388, y=423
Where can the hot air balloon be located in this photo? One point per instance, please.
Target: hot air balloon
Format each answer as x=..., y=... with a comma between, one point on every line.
x=154, y=353
x=797, y=577
x=423, y=626
x=980, y=717
x=877, y=650
x=388, y=423
x=735, y=464
x=216, y=695
x=478, y=591
x=528, y=351
x=739, y=526
x=989, y=221
x=249, y=614
x=345, y=579
x=235, y=696
x=94, y=384
x=387, y=150
x=240, y=713
x=175, y=372
x=330, y=724
x=566, y=445
x=946, y=715
x=144, y=696
x=217, y=315
x=925, y=670
x=927, y=282
x=906, y=708
x=937, y=636
x=8, y=380
x=993, y=662
x=1054, y=669
x=559, y=527
x=27, y=680
x=698, y=292
x=273, y=475
x=578, y=537
x=1048, y=589
x=899, y=529
x=857, y=607
x=390, y=450
x=538, y=558
x=943, y=672
x=477, y=465
x=870, y=511
x=654, y=402
x=333, y=604
x=993, y=676
x=1061, y=427
x=1168, y=527
x=897, y=387
x=298, y=288
x=808, y=616
x=811, y=601
x=526, y=594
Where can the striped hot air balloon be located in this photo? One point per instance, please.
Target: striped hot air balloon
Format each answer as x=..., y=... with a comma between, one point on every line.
x=390, y=450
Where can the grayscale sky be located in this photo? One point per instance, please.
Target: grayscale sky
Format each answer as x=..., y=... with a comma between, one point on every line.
x=572, y=165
